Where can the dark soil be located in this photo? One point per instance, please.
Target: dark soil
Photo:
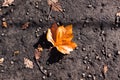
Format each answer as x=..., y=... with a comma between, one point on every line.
x=94, y=30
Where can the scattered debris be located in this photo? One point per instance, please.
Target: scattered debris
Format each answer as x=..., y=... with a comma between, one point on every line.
x=38, y=52
x=117, y=19
x=55, y=5
x=1, y=60
x=4, y=24
x=1, y=12
x=6, y=3
x=118, y=52
x=25, y=25
x=61, y=38
x=105, y=69
x=28, y=63
x=40, y=49
x=16, y=52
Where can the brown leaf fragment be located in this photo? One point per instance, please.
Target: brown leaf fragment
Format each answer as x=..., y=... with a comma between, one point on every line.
x=25, y=25
x=28, y=63
x=16, y=52
x=105, y=69
x=4, y=24
x=55, y=5
x=1, y=60
x=40, y=49
x=6, y=3
x=38, y=52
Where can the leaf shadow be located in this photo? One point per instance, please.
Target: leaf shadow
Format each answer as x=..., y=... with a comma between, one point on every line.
x=43, y=42
x=55, y=56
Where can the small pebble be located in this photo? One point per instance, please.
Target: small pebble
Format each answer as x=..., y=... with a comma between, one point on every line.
x=43, y=77
x=97, y=57
x=27, y=13
x=103, y=32
x=45, y=71
x=2, y=71
x=87, y=68
x=12, y=62
x=89, y=76
x=36, y=6
x=44, y=31
x=37, y=35
x=2, y=34
x=83, y=49
x=41, y=67
x=103, y=52
x=118, y=75
x=31, y=19
x=83, y=75
x=11, y=10
x=109, y=55
x=90, y=6
x=50, y=74
x=36, y=3
x=3, y=19
x=64, y=10
x=94, y=78
x=86, y=57
x=76, y=48
x=78, y=38
x=40, y=20
x=38, y=29
x=118, y=52
x=84, y=61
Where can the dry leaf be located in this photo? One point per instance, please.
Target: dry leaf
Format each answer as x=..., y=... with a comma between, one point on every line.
x=26, y=25
x=1, y=60
x=55, y=5
x=4, y=24
x=6, y=3
x=61, y=38
x=105, y=69
x=40, y=49
x=38, y=52
x=28, y=63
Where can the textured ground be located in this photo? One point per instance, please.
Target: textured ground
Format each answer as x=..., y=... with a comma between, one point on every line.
x=94, y=31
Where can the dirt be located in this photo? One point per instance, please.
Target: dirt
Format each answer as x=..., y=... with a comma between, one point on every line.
x=95, y=32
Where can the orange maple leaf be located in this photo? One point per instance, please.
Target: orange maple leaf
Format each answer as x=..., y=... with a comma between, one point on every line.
x=61, y=38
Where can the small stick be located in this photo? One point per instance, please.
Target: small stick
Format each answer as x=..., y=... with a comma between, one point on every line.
x=40, y=67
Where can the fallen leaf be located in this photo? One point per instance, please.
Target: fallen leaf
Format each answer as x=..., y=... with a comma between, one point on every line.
x=61, y=38
x=6, y=3
x=28, y=63
x=25, y=25
x=4, y=24
x=105, y=69
x=38, y=52
x=1, y=60
x=55, y=5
